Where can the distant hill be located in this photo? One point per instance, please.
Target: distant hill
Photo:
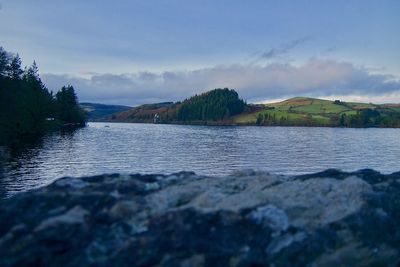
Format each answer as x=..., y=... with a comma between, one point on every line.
x=213, y=108
x=144, y=113
x=96, y=111
x=305, y=111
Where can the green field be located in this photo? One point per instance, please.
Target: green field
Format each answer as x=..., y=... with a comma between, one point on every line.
x=306, y=111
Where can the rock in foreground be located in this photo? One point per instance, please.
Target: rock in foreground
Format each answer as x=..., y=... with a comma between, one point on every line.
x=246, y=219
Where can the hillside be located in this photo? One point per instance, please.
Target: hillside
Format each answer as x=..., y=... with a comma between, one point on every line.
x=97, y=111
x=298, y=111
x=217, y=106
x=303, y=111
x=144, y=113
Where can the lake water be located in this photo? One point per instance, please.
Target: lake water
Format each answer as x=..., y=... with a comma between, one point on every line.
x=209, y=150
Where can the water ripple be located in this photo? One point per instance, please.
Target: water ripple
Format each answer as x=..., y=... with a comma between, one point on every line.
x=149, y=148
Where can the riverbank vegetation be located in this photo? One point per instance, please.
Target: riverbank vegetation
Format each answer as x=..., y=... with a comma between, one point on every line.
x=27, y=107
x=224, y=107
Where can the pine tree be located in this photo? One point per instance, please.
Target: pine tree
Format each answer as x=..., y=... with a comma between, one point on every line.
x=26, y=103
x=4, y=61
x=38, y=101
x=15, y=71
x=67, y=106
x=31, y=74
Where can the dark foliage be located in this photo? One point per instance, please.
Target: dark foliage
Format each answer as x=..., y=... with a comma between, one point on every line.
x=67, y=107
x=370, y=118
x=367, y=117
x=217, y=104
x=27, y=107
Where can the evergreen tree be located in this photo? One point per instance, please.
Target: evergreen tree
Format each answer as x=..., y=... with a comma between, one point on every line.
x=26, y=103
x=36, y=100
x=31, y=74
x=15, y=71
x=4, y=61
x=67, y=106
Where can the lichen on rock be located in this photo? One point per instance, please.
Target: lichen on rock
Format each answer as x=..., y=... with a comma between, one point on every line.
x=248, y=218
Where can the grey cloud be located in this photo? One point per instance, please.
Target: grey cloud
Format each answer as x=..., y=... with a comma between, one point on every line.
x=253, y=82
x=147, y=76
x=284, y=48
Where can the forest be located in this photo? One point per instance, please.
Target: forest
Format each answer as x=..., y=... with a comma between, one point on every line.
x=214, y=105
x=27, y=107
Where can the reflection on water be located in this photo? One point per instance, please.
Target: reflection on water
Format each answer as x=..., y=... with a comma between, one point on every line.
x=19, y=163
x=150, y=148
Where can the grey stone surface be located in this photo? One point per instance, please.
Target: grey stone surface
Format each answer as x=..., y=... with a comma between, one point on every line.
x=248, y=218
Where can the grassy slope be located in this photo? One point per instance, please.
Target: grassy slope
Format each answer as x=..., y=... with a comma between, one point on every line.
x=300, y=109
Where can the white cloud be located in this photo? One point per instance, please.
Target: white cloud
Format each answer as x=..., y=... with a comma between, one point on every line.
x=253, y=82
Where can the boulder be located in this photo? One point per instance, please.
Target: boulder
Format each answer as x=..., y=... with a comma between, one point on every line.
x=249, y=218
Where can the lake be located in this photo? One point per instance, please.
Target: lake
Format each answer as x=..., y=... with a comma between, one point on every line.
x=209, y=150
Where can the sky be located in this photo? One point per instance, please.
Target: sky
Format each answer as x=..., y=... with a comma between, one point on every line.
x=136, y=52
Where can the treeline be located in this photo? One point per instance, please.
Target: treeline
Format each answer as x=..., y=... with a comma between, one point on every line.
x=214, y=105
x=272, y=119
x=370, y=118
x=362, y=119
x=27, y=107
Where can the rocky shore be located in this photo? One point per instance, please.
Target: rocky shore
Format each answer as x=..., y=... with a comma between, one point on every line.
x=249, y=218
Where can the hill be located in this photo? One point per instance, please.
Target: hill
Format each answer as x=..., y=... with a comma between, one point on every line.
x=304, y=111
x=213, y=108
x=144, y=113
x=96, y=112
x=217, y=106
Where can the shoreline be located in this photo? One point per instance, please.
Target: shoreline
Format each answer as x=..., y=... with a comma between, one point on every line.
x=208, y=123
x=33, y=136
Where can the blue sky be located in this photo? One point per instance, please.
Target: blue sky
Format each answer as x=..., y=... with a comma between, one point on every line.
x=133, y=52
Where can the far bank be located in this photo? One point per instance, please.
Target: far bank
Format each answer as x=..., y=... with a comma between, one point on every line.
x=224, y=107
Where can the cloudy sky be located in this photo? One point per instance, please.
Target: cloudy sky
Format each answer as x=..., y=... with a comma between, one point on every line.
x=135, y=52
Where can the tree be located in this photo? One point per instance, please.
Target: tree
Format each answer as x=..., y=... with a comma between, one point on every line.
x=26, y=103
x=343, y=120
x=260, y=119
x=4, y=61
x=39, y=101
x=31, y=74
x=15, y=71
x=68, y=110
